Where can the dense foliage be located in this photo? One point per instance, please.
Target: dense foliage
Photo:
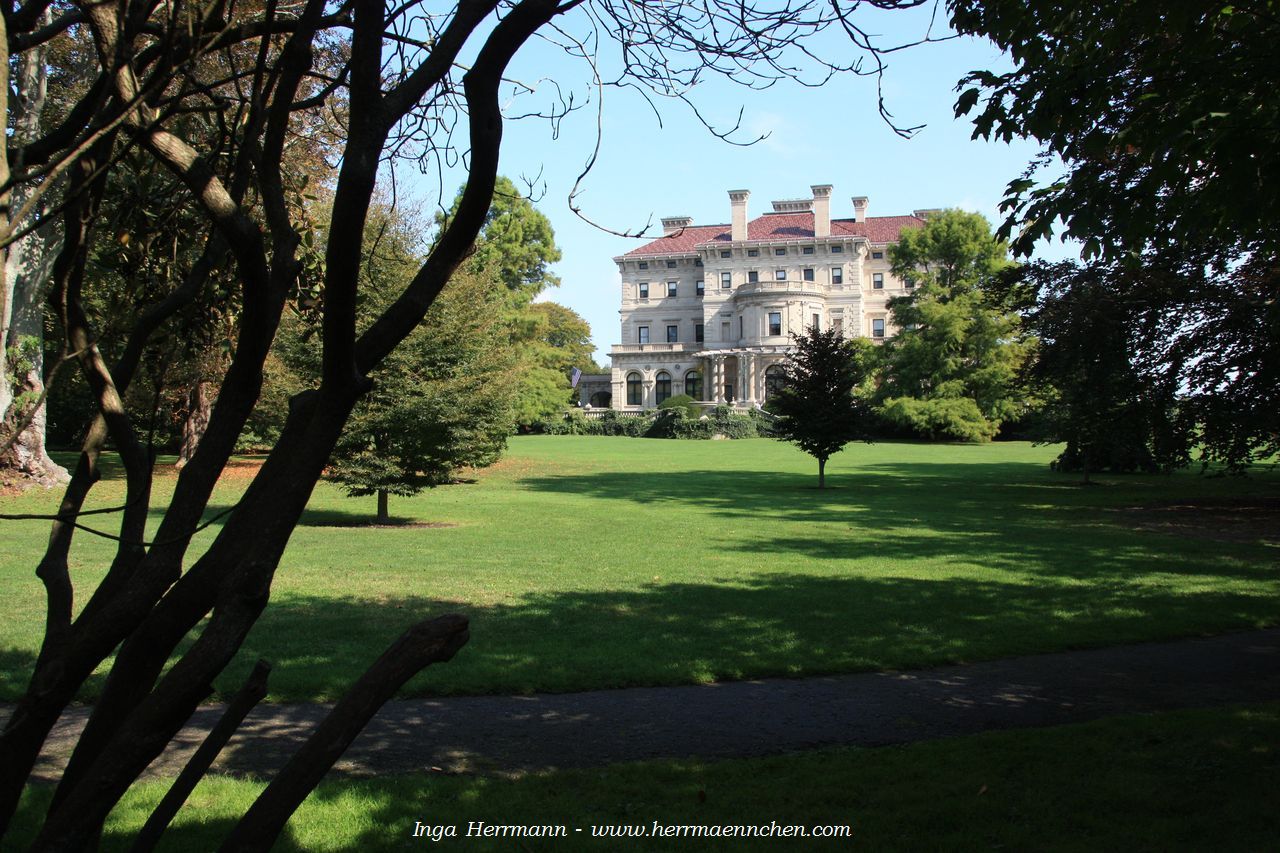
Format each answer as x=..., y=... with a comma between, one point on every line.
x=1095, y=397
x=1165, y=120
x=951, y=369
x=1164, y=114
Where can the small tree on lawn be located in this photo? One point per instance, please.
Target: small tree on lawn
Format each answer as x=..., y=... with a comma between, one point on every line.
x=819, y=409
x=441, y=401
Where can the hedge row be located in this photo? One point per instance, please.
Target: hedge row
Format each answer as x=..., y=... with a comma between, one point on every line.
x=666, y=423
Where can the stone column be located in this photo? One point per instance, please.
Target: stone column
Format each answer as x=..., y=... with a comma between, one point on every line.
x=744, y=387
x=648, y=394
x=717, y=370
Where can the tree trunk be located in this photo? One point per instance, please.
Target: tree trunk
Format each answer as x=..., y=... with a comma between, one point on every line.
x=383, y=516
x=822, y=472
x=199, y=405
x=28, y=264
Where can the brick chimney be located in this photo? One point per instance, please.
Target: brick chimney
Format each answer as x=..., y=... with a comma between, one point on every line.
x=672, y=224
x=859, y=208
x=821, y=210
x=738, y=205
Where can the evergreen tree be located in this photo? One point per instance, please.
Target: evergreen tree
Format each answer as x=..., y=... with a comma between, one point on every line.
x=442, y=400
x=818, y=408
x=951, y=371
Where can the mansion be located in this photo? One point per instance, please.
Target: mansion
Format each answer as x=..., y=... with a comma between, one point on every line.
x=707, y=310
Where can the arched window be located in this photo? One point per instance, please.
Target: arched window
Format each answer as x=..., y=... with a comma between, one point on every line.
x=661, y=386
x=775, y=379
x=635, y=391
x=693, y=384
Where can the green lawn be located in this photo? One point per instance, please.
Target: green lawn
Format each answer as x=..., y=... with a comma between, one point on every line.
x=1190, y=780
x=591, y=562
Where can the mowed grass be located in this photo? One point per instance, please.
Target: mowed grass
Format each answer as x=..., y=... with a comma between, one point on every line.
x=1189, y=780
x=589, y=562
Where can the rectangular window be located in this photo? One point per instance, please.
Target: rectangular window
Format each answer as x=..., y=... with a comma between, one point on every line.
x=835, y=250
x=698, y=333
x=644, y=290
x=697, y=262
x=817, y=321
x=724, y=331
x=808, y=250
x=642, y=334
x=877, y=256
x=837, y=325
x=780, y=251
x=775, y=323
x=753, y=277
x=753, y=253
x=671, y=265
x=909, y=284
x=700, y=288
x=808, y=274
x=673, y=334
x=726, y=253
x=671, y=288
x=644, y=265
x=740, y=332
x=837, y=275
x=780, y=275
x=877, y=328
x=726, y=279
x=877, y=280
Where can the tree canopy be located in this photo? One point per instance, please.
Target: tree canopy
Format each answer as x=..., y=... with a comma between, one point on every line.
x=1163, y=114
x=516, y=243
x=951, y=368
x=1094, y=396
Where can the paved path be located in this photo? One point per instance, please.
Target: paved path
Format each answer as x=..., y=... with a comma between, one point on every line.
x=505, y=735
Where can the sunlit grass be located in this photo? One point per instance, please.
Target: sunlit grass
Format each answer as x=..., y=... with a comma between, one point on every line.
x=602, y=562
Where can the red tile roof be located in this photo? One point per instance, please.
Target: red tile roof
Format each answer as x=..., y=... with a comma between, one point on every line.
x=773, y=227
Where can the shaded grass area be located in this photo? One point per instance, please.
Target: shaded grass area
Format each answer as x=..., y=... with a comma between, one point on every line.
x=1186, y=780
x=589, y=562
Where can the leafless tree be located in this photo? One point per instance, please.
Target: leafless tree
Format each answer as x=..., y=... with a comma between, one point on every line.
x=388, y=80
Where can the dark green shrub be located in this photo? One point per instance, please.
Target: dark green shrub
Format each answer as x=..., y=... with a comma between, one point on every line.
x=682, y=401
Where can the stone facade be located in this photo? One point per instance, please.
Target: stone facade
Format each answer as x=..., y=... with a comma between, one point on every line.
x=708, y=310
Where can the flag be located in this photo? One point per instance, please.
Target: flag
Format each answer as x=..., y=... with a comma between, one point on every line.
x=574, y=376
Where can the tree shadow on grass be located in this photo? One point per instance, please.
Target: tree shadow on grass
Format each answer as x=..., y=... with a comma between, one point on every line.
x=781, y=624
x=1009, y=516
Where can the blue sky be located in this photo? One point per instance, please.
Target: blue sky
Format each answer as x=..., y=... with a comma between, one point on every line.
x=831, y=134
